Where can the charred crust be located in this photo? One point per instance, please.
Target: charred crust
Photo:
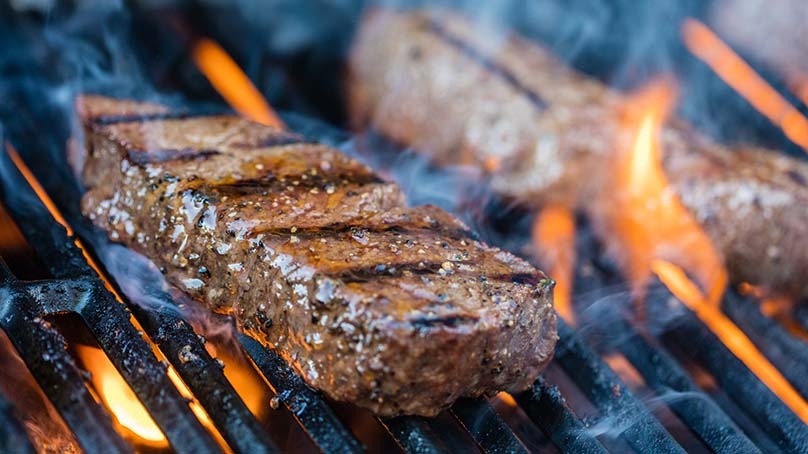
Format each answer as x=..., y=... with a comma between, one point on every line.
x=797, y=178
x=270, y=183
x=486, y=62
x=339, y=229
x=273, y=140
x=432, y=322
x=143, y=157
x=374, y=272
x=520, y=278
x=380, y=271
x=106, y=120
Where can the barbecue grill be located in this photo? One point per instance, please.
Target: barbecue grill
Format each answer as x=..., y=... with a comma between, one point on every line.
x=656, y=382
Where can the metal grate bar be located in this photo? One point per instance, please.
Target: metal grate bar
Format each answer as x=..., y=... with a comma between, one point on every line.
x=786, y=351
x=43, y=350
x=106, y=318
x=610, y=395
x=746, y=390
x=178, y=342
x=548, y=409
x=658, y=369
x=308, y=407
x=488, y=429
x=414, y=435
x=662, y=374
x=204, y=376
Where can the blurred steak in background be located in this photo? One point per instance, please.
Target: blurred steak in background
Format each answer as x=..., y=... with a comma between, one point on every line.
x=545, y=134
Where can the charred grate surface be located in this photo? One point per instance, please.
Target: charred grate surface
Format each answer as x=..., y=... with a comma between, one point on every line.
x=309, y=409
x=490, y=432
x=662, y=374
x=548, y=409
x=607, y=392
x=109, y=321
x=784, y=350
x=414, y=435
x=44, y=351
x=658, y=368
x=780, y=425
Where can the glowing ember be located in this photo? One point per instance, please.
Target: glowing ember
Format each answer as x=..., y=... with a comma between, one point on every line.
x=231, y=82
x=707, y=46
x=138, y=426
x=675, y=279
x=642, y=218
x=506, y=399
x=554, y=242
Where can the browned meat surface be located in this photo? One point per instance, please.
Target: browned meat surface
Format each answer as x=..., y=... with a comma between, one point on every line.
x=396, y=309
x=466, y=94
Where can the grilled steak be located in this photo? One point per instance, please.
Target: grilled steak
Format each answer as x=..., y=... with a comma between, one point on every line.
x=545, y=133
x=399, y=310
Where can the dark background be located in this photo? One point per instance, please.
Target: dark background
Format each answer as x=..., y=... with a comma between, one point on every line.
x=294, y=52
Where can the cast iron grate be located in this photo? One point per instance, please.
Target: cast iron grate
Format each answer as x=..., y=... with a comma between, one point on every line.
x=76, y=288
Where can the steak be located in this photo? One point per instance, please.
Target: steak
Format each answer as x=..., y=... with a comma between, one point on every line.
x=544, y=133
x=399, y=310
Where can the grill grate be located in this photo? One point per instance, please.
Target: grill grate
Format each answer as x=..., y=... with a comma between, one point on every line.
x=108, y=320
x=76, y=288
x=44, y=351
x=782, y=427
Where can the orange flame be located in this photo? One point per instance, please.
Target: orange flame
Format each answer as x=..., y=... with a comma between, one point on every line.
x=506, y=399
x=231, y=82
x=646, y=221
x=246, y=381
x=741, y=346
x=707, y=46
x=134, y=422
x=554, y=241
x=655, y=233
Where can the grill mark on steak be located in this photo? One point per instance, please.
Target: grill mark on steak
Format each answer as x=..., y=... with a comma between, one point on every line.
x=367, y=274
x=270, y=183
x=486, y=62
x=797, y=178
x=338, y=229
x=106, y=120
x=451, y=321
x=143, y=157
x=273, y=140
